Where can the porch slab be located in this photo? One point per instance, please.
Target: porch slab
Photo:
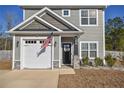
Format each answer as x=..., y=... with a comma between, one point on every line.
x=66, y=71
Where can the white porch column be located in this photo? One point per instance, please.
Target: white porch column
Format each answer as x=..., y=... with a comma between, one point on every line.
x=13, y=53
x=60, y=52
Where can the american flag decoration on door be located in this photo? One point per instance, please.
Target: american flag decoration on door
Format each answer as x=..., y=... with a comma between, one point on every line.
x=47, y=41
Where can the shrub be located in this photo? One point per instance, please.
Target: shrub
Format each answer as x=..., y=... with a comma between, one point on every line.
x=123, y=58
x=85, y=60
x=110, y=61
x=98, y=61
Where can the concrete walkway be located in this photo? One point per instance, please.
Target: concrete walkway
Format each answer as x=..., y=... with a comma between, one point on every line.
x=31, y=78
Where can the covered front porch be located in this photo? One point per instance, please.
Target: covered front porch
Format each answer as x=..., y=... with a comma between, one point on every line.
x=66, y=52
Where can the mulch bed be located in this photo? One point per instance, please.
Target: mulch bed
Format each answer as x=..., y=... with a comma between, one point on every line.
x=5, y=64
x=91, y=78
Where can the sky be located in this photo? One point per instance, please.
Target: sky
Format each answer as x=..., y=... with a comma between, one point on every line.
x=110, y=12
x=17, y=13
x=114, y=11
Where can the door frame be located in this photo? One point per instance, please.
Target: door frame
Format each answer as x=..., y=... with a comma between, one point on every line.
x=62, y=53
x=22, y=50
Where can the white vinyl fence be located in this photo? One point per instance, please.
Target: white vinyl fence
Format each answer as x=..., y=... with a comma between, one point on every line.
x=115, y=54
x=6, y=54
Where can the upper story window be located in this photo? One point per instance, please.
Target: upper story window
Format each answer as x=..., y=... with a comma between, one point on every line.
x=66, y=12
x=88, y=17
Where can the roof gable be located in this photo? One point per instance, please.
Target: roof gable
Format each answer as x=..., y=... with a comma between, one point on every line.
x=35, y=25
x=57, y=22
x=45, y=23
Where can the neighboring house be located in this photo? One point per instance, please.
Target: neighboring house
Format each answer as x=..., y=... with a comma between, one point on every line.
x=78, y=31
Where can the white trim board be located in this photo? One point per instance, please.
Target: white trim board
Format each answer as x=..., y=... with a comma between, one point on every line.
x=104, y=38
x=30, y=22
x=60, y=52
x=52, y=52
x=13, y=54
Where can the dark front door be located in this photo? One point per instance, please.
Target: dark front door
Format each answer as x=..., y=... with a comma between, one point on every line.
x=66, y=53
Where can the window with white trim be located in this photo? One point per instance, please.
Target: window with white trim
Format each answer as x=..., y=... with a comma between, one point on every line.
x=88, y=17
x=66, y=12
x=89, y=49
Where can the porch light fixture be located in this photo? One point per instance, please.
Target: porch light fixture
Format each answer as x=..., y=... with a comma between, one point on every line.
x=55, y=44
x=76, y=40
x=17, y=43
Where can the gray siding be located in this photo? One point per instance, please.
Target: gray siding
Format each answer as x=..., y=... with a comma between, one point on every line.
x=56, y=52
x=55, y=22
x=17, y=48
x=91, y=33
x=29, y=13
x=56, y=48
x=17, y=53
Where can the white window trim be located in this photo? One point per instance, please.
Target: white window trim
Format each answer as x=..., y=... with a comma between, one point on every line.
x=88, y=18
x=69, y=12
x=97, y=50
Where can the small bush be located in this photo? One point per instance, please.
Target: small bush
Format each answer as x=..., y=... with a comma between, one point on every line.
x=110, y=61
x=123, y=58
x=98, y=61
x=85, y=61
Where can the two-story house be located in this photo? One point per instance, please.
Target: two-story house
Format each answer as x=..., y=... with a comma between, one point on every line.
x=78, y=31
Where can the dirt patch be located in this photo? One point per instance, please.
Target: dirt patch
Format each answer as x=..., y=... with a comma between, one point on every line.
x=5, y=64
x=90, y=78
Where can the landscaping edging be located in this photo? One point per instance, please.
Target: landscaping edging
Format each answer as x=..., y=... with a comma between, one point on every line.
x=104, y=68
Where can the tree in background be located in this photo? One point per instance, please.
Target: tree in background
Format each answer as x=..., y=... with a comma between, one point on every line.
x=6, y=39
x=114, y=31
x=9, y=25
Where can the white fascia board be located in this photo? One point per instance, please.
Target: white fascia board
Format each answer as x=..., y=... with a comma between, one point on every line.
x=26, y=25
x=30, y=22
x=40, y=19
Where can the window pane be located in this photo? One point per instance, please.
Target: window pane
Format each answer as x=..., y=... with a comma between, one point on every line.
x=93, y=21
x=66, y=12
x=84, y=46
x=84, y=21
x=84, y=53
x=84, y=13
x=92, y=46
x=92, y=13
x=93, y=54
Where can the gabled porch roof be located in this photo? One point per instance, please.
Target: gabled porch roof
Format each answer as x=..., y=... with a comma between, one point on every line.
x=38, y=16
